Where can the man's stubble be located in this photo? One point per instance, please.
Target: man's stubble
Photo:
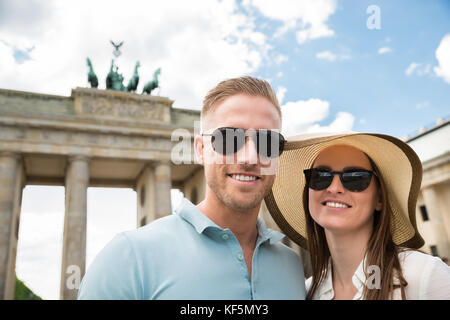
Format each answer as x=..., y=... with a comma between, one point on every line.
x=226, y=197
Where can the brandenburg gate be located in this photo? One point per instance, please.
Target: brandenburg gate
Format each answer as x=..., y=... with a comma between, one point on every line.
x=94, y=138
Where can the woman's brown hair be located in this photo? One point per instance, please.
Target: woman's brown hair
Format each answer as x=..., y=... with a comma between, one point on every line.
x=381, y=250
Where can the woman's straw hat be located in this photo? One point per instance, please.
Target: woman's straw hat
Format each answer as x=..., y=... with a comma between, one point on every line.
x=398, y=164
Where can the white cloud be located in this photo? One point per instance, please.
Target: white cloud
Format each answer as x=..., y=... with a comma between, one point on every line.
x=257, y=38
x=423, y=104
x=426, y=70
x=307, y=17
x=305, y=116
x=443, y=57
x=330, y=56
x=384, y=50
x=7, y=61
x=303, y=112
x=196, y=43
x=280, y=58
x=418, y=69
x=342, y=123
x=281, y=91
x=326, y=55
x=314, y=33
x=411, y=68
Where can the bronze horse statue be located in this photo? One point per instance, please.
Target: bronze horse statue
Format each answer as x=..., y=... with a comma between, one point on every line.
x=134, y=81
x=92, y=77
x=151, y=85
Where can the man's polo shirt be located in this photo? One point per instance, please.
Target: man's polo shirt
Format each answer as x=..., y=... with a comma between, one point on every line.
x=187, y=256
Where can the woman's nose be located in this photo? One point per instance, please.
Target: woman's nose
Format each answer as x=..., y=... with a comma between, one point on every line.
x=336, y=185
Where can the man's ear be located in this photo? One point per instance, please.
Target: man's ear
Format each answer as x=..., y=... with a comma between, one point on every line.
x=199, y=148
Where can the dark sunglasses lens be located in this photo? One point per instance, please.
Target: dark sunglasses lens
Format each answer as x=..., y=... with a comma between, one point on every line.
x=269, y=144
x=356, y=181
x=320, y=180
x=227, y=141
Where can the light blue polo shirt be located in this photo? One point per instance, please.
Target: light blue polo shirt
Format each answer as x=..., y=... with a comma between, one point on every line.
x=187, y=256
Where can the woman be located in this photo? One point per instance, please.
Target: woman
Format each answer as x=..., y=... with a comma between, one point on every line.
x=350, y=200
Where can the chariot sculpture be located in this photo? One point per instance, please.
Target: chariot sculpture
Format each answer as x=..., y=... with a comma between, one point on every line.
x=114, y=79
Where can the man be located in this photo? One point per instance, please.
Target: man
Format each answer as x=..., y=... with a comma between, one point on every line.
x=218, y=249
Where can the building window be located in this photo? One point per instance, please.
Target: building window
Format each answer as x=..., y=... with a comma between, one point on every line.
x=434, y=251
x=423, y=211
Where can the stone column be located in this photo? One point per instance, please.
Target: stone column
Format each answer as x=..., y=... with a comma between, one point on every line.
x=163, y=185
x=436, y=220
x=145, y=189
x=74, y=242
x=11, y=185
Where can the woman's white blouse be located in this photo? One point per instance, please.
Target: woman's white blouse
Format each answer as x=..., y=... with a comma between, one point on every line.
x=428, y=278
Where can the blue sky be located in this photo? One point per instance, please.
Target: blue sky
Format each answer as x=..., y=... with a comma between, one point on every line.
x=330, y=71
x=372, y=86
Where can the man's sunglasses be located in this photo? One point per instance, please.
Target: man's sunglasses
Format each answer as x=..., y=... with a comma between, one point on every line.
x=355, y=180
x=229, y=140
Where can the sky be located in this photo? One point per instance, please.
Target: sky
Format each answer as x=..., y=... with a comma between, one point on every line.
x=336, y=65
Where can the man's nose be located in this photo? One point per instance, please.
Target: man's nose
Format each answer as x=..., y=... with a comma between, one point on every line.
x=336, y=185
x=248, y=153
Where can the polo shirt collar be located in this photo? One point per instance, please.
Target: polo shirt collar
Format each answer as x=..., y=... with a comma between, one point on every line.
x=268, y=234
x=189, y=212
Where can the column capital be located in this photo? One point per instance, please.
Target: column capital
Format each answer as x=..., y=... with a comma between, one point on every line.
x=161, y=163
x=11, y=154
x=78, y=157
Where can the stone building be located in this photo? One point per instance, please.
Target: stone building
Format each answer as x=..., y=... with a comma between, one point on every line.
x=433, y=205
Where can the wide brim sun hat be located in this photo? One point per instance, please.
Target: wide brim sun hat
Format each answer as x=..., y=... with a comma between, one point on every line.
x=398, y=164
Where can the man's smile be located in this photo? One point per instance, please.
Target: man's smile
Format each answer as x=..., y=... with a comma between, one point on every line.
x=244, y=178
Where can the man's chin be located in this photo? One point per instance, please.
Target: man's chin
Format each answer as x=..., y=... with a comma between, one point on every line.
x=243, y=204
x=237, y=200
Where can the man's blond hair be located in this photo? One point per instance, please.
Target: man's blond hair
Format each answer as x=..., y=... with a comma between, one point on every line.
x=242, y=85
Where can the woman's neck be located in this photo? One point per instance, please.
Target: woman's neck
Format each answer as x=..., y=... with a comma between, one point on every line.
x=347, y=251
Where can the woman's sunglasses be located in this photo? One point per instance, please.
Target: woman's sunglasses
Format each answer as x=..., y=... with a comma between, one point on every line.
x=229, y=140
x=355, y=180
